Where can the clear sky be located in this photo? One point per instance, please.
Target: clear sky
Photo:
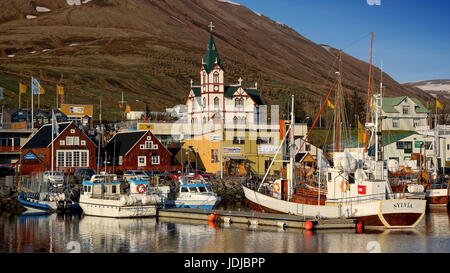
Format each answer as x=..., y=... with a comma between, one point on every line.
x=411, y=37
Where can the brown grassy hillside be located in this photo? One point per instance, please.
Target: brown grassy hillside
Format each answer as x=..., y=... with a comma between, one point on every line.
x=151, y=49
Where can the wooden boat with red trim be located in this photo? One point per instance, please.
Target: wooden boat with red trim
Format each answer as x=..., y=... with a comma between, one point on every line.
x=436, y=194
x=357, y=185
x=360, y=194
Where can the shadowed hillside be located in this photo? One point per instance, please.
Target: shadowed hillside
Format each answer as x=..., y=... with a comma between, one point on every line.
x=151, y=49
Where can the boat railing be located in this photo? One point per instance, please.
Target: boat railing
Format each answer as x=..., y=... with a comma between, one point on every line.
x=374, y=197
x=105, y=196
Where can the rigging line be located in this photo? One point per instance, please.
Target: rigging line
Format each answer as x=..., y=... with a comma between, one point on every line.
x=356, y=41
x=317, y=118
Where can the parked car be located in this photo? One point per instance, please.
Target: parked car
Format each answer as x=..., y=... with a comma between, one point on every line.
x=203, y=174
x=83, y=174
x=171, y=175
x=55, y=178
x=136, y=174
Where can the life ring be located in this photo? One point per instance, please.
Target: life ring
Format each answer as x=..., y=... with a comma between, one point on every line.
x=140, y=188
x=276, y=187
x=347, y=186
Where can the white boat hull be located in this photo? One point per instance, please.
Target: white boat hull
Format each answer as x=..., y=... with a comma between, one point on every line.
x=112, y=208
x=391, y=213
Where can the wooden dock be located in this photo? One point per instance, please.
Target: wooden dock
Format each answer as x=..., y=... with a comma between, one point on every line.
x=255, y=218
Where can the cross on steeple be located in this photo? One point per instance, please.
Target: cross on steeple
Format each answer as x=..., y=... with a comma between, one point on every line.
x=240, y=81
x=211, y=26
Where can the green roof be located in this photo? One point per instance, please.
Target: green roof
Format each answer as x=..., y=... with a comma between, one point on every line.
x=419, y=106
x=389, y=137
x=230, y=90
x=212, y=56
x=389, y=103
x=254, y=94
x=197, y=91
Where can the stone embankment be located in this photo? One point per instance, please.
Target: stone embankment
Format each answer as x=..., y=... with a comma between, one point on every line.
x=230, y=190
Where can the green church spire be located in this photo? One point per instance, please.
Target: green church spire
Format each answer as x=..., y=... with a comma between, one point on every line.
x=212, y=55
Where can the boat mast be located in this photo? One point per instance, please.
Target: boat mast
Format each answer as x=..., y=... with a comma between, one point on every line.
x=435, y=148
x=369, y=95
x=291, y=153
x=338, y=106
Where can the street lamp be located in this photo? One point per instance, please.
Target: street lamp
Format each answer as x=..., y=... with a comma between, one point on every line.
x=146, y=109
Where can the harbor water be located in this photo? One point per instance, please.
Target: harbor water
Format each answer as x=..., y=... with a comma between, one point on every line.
x=35, y=233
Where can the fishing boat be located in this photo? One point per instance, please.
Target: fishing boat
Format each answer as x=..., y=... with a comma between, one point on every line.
x=101, y=196
x=195, y=192
x=46, y=202
x=357, y=184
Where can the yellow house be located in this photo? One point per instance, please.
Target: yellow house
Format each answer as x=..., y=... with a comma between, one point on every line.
x=244, y=150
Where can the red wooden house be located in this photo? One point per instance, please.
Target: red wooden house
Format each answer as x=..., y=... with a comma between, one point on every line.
x=72, y=149
x=138, y=150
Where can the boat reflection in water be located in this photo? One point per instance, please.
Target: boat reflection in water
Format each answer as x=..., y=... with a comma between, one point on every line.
x=114, y=235
x=55, y=233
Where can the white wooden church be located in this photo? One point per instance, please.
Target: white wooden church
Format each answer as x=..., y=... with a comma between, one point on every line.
x=213, y=101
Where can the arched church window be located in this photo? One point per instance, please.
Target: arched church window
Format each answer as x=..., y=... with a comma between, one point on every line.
x=216, y=77
x=216, y=103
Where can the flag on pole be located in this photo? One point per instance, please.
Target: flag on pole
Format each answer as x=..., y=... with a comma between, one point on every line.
x=361, y=133
x=1, y=93
x=60, y=88
x=439, y=105
x=22, y=88
x=54, y=124
x=330, y=104
x=36, y=87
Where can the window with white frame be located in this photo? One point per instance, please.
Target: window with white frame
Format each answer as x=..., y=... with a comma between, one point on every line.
x=84, y=159
x=60, y=159
x=149, y=145
x=83, y=143
x=155, y=159
x=76, y=158
x=120, y=160
x=69, y=158
x=62, y=142
x=142, y=161
x=405, y=109
x=416, y=122
x=72, y=141
x=395, y=123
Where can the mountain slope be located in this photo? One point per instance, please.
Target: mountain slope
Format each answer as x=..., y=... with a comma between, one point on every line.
x=151, y=49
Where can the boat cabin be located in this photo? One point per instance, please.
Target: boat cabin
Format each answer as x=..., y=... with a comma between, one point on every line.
x=196, y=188
x=102, y=186
x=194, y=184
x=352, y=180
